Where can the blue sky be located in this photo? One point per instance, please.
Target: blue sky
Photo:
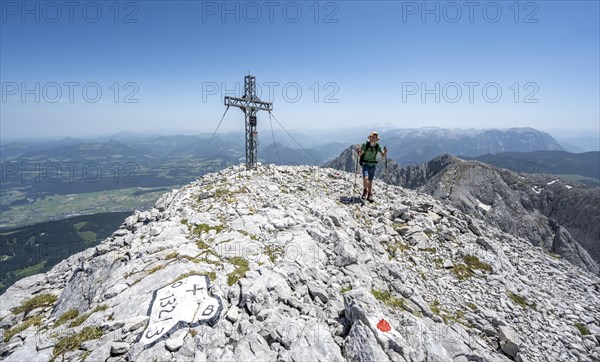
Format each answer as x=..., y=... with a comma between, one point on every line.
x=356, y=63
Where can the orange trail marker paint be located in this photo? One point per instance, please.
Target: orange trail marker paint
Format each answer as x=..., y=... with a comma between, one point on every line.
x=384, y=326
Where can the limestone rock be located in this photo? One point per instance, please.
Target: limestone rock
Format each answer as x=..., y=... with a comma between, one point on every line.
x=119, y=348
x=271, y=265
x=509, y=341
x=361, y=345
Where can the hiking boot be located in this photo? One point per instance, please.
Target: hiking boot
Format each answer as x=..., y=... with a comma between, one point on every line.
x=370, y=198
x=364, y=195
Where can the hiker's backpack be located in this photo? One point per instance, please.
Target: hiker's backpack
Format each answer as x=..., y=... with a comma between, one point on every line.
x=361, y=160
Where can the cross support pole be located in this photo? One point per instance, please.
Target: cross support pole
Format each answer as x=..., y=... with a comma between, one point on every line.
x=250, y=104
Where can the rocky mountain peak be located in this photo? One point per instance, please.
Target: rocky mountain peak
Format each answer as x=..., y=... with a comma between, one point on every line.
x=559, y=216
x=281, y=264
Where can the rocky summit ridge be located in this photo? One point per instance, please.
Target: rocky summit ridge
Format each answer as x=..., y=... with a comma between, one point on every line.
x=280, y=264
x=562, y=217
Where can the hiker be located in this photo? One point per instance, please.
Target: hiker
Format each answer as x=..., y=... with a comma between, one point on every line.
x=367, y=154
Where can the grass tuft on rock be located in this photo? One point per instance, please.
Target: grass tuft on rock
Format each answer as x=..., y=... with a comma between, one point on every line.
x=70, y=314
x=394, y=248
x=41, y=300
x=212, y=276
x=73, y=342
x=517, y=299
x=471, y=262
x=445, y=314
x=583, y=329
x=388, y=299
x=205, y=228
x=33, y=321
x=155, y=269
x=462, y=271
x=240, y=270
x=345, y=289
x=82, y=318
x=188, y=274
x=222, y=192
x=435, y=307
x=273, y=252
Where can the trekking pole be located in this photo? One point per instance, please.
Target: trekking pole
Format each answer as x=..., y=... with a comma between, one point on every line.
x=385, y=175
x=355, y=174
x=385, y=150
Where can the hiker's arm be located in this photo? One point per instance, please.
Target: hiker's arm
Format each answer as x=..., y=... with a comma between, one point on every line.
x=384, y=152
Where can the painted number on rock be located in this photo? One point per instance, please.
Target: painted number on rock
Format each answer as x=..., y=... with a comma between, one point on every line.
x=185, y=303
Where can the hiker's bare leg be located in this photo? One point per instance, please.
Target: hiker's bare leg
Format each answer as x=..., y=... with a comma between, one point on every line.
x=366, y=183
x=369, y=185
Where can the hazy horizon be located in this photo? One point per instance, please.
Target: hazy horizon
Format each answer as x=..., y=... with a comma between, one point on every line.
x=558, y=134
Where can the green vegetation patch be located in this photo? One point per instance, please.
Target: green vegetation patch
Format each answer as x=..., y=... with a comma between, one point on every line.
x=41, y=300
x=471, y=263
x=446, y=315
x=222, y=193
x=86, y=235
x=251, y=236
x=155, y=269
x=82, y=318
x=211, y=275
x=345, y=289
x=72, y=313
x=435, y=307
x=199, y=260
x=202, y=245
x=31, y=270
x=394, y=248
x=200, y=228
x=73, y=342
x=520, y=300
x=388, y=299
x=33, y=321
x=583, y=329
x=273, y=252
x=47, y=241
x=462, y=271
x=240, y=271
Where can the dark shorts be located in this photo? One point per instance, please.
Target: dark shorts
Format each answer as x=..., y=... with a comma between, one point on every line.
x=368, y=170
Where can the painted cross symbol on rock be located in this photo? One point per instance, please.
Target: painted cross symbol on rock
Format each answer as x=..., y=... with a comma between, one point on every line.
x=195, y=289
x=184, y=303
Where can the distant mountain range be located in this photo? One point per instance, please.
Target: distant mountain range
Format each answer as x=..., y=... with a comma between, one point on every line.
x=406, y=145
x=34, y=171
x=420, y=145
x=561, y=163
